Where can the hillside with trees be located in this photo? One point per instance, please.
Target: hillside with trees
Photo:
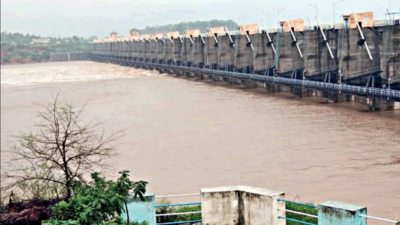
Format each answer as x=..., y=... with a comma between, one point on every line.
x=182, y=27
x=18, y=48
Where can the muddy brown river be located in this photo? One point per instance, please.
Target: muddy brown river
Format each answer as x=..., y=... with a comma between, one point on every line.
x=182, y=135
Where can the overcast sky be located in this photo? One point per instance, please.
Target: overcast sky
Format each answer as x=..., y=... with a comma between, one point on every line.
x=99, y=17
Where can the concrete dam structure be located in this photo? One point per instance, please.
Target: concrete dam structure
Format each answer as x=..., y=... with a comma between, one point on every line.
x=356, y=61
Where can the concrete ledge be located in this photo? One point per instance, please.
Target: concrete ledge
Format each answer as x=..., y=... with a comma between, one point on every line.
x=241, y=205
x=248, y=189
x=333, y=213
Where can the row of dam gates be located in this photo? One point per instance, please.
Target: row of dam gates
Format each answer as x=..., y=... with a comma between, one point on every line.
x=358, y=54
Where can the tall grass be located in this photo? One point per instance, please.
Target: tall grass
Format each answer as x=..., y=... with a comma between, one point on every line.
x=186, y=217
x=303, y=209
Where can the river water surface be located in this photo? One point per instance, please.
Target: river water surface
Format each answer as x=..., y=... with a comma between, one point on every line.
x=182, y=135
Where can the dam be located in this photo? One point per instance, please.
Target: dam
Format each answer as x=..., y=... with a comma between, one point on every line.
x=358, y=60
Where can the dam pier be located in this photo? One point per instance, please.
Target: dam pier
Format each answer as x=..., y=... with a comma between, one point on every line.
x=358, y=60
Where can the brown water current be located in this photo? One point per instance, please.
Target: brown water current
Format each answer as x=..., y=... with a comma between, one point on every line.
x=182, y=135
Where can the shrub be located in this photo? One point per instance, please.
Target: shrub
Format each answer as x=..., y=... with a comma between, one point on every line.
x=98, y=202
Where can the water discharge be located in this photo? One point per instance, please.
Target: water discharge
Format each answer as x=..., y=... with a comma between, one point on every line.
x=182, y=135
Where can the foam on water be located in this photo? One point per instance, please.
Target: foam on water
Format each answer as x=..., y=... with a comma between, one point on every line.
x=19, y=75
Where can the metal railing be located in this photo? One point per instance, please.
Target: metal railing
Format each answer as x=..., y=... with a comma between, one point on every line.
x=286, y=217
x=297, y=212
x=298, y=203
x=382, y=23
x=380, y=219
x=388, y=94
x=178, y=205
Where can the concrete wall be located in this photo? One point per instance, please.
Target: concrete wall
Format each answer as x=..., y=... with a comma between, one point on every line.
x=132, y=49
x=245, y=54
x=169, y=51
x=213, y=50
x=178, y=50
x=289, y=56
x=241, y=205
x=188, y=51
x=264, y=54
x=334, y=213
x=141, y=50
x=153, y=47
x=147, y=50
x=354, y=61
x=227, y=53
x=390, y=58
x=199, y=51
x=317, y=59
x=160, y=50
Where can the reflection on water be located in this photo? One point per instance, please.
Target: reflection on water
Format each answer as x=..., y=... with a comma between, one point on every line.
x=182, y=135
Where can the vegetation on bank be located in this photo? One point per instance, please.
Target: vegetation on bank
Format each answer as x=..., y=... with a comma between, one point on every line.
x=46, y=177
x=97, y=202
x=18, y=48
x=182, y=27
x=177, y=218
x=302, y=209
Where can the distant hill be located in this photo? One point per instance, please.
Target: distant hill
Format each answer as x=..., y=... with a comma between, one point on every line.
x=182, y=27
x=18, y=48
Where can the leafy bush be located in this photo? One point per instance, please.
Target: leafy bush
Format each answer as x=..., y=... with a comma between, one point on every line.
x=98, y=202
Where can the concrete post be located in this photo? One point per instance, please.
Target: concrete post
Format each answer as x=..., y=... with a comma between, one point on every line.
x=241, y=205
x=334, y=213
x=140, y=211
